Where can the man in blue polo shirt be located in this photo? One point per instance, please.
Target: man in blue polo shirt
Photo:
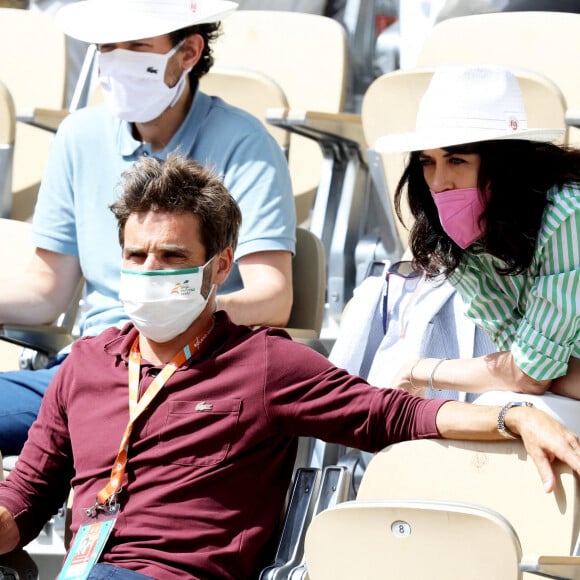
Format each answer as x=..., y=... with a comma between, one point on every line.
x=151, y=55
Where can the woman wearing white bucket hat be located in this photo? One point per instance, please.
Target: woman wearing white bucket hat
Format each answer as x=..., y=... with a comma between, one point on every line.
x=496, y=211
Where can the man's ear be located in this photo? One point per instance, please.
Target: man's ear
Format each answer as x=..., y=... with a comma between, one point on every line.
x=191, y=50
x=224, y=262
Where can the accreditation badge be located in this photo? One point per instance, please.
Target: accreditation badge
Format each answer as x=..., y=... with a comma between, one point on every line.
x=87, y=548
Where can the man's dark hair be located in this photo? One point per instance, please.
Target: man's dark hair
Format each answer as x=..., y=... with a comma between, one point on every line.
x=180, y=185
x=209, y=32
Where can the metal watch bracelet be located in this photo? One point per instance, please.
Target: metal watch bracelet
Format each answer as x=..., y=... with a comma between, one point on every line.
x=504, y=431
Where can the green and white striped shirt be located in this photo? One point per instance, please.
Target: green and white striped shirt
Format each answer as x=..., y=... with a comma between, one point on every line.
x=535, y=315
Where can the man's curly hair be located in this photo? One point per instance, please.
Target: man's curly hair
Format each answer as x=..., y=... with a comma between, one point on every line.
x=209, y=32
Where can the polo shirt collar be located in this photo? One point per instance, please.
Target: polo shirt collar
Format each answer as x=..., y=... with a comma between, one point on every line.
x=120, y=346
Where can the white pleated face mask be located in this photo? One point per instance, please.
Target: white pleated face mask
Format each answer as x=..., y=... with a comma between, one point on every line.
x=163, y=303
x=133, y=83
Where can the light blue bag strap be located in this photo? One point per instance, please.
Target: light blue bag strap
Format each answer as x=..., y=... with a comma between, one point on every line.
x=356, y=341
x=465, y=334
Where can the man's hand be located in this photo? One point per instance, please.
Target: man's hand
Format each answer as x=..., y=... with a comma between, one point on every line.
x=9, y=534
x=545, y=439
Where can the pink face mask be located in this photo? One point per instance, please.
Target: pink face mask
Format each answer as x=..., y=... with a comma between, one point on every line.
x=459, y=212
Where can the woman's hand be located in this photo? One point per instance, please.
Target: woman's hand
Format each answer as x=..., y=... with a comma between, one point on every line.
x=404, y=379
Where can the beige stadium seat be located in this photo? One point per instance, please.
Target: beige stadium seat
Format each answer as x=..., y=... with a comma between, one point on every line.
x=545, y=42
x=499, y=476
x=249, y=90
x=307, y=56
x=390, y=106
x=33, y=67
x=411, y=540
x=309, y=286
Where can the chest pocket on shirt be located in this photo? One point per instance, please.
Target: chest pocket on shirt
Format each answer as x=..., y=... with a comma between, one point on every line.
x=199, y=433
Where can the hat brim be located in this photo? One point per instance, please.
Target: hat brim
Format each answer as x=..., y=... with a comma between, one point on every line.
x=92, y=23
x=419, y=141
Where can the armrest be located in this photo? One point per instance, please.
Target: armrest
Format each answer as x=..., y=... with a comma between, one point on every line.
x=297, y=518
x=48, y=119
x=552, y=566
x=45, y=338
x=346, y=127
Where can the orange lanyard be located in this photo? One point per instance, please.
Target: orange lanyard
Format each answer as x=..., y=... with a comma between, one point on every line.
x=106, y=497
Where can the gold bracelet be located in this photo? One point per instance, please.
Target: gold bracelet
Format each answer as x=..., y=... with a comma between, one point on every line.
x=411, y=373
x=433, y=373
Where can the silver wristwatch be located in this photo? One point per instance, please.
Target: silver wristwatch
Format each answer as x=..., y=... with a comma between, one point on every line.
x=505, y=432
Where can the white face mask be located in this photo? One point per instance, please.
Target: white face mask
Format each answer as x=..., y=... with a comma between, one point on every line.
x=163, y=303
x=133, y=83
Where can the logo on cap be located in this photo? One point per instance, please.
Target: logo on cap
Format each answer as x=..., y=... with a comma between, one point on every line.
x=513, y=123
x=193, y=6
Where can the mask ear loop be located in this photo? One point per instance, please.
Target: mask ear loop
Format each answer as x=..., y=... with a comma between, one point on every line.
x=205, y=281
x=179, y=86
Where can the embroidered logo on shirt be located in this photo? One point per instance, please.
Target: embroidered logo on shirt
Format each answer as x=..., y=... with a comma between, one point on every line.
x=203, y=406
x=152, y=70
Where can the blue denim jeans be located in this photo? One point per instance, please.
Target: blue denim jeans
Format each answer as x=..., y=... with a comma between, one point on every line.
x=21, y=393
x=109, y=572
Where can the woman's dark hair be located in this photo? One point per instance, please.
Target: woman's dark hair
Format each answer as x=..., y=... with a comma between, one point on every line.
x=519, y=173
x=209, y=32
